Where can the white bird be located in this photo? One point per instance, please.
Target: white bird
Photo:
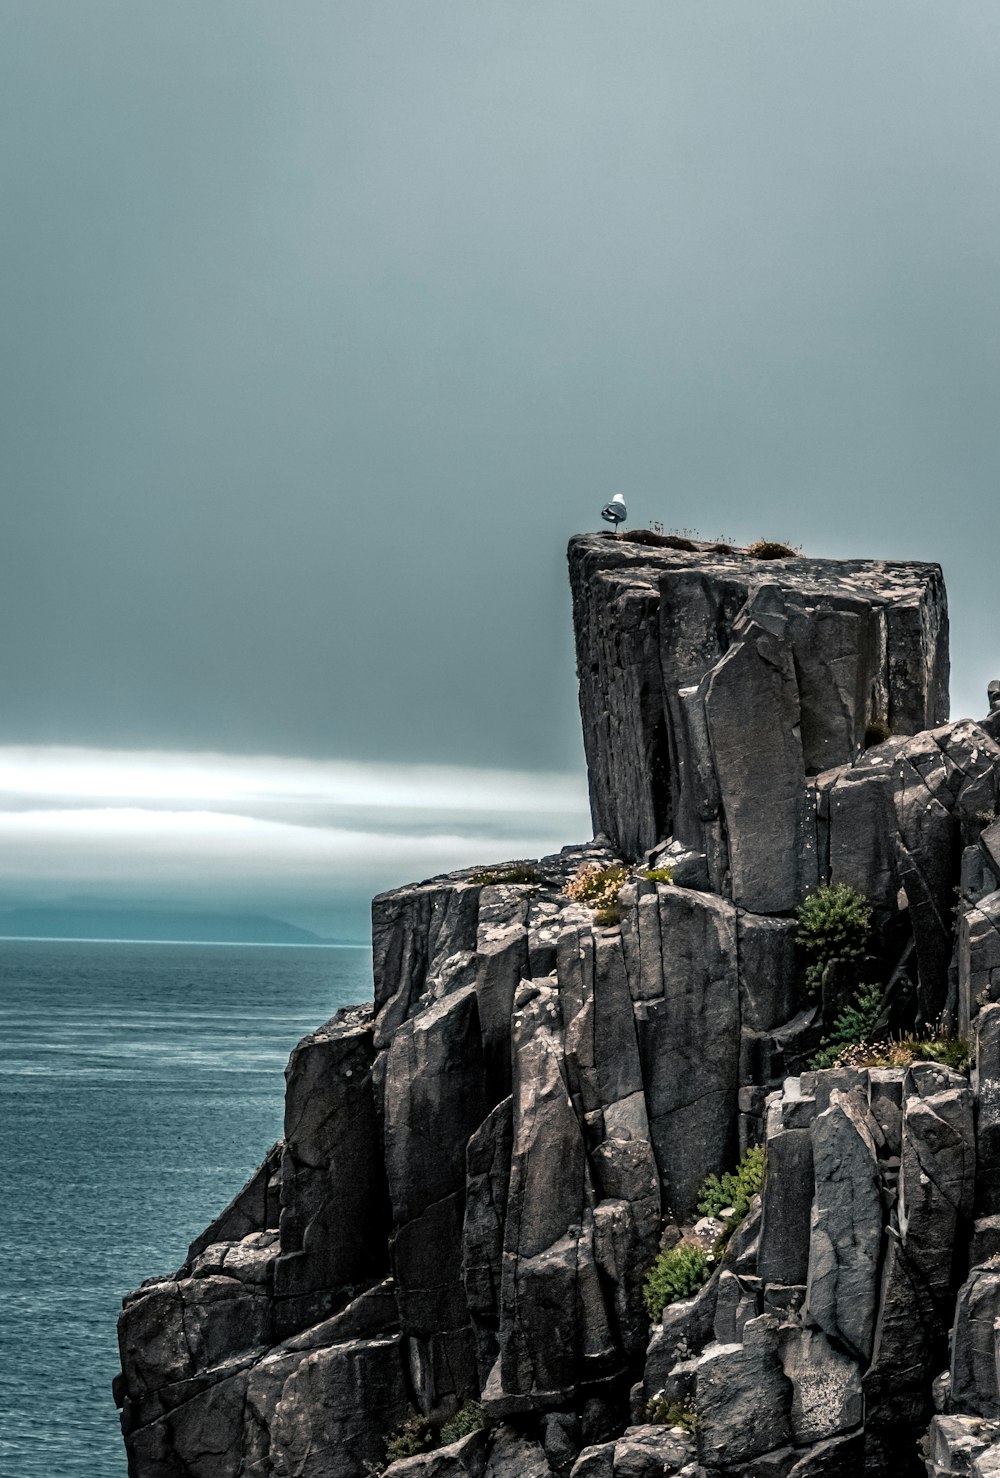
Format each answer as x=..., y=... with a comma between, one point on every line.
x=615, y=512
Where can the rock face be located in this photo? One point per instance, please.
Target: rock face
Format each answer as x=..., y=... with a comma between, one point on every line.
x=477, y=1169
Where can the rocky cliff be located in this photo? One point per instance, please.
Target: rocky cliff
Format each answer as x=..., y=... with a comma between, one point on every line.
x=478, y=1170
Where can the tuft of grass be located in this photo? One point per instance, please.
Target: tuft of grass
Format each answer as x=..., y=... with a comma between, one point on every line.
x=877, y=732
x=467, y=1420
x=487, y=876
x=658, y=540
x=771, y=549
x=412, y=1437
x=736, y=1188
x=832, y=924
x=662, y=1412
x=677, y=1273
x=656, y=874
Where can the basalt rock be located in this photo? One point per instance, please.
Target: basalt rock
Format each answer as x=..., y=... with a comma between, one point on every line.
x=478, y=1170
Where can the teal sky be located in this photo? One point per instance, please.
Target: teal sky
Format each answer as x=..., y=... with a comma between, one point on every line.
x=326, y=324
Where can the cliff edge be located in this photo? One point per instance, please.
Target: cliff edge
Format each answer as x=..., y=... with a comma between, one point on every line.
x=442, y=1268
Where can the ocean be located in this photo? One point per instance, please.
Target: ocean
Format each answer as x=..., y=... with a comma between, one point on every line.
x=141, y=1084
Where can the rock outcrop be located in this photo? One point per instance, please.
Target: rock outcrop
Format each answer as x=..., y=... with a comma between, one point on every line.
x=478, y=1169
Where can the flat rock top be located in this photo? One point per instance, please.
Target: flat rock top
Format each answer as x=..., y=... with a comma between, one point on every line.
x=640, y=558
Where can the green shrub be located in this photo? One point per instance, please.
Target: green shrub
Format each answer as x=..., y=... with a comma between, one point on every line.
x=853, y=1026
x=662, y=1412
x=771, y=549
x=465, y=1421
x=736, y=1188
x=521, y=873
x=657, y=874
x=677, y=1273
x=833, y=923
x=413, y=1436
x=877, y=732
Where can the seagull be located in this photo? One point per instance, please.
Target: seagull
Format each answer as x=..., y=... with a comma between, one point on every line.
x=615, y=512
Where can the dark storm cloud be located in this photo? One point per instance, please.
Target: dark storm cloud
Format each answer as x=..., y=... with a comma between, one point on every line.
x=326, y=324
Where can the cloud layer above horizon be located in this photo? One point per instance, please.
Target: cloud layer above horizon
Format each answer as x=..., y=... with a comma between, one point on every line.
x=304, y=840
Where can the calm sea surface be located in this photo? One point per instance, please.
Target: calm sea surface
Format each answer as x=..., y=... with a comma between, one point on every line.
x=140, y=1084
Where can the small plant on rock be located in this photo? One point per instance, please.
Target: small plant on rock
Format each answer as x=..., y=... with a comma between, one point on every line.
x=877, y=732
x=519, y=873
x=663, y=1412
x=833, y=924
x=734, y=1191
x=598, y=887
x=413, y=1436
x=771, y=549
x=656, y=874
x=677, y=1273
x=467, y=1419
x=853, y=1026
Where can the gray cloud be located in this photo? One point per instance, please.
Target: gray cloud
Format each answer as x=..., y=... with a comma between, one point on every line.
x=305, y=840
x=326, y=325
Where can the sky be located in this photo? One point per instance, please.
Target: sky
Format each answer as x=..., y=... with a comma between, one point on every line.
x=325, y=325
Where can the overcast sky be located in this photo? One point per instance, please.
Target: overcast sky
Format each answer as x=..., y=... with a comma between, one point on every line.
x=325, y=325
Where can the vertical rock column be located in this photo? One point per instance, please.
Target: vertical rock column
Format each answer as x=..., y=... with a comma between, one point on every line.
x=431, y=1090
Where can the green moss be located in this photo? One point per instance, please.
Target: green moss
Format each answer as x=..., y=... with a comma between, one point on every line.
x=677, y=1273
x=466, y=1421
x=657, y=874
x=834, y=924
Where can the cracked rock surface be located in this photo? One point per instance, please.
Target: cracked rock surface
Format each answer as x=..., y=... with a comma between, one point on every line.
x=478, y=1168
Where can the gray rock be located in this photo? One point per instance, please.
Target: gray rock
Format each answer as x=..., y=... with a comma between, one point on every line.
x=838, y=1457
x=513, y=1456
x=978, y=958
x=786, y=1206
x=253, y=1209
x=863, y=634
x=826, y=1386
x=463, y=1459
x=986, y=1464
x=955, y=1442
x=177, y=1328
x=555, y=1329
x=743, y=1397
x=985, y=1236
x=432, y=1102
x=935, y=1199
x=973, y=1358
x=414, y=930
x=986, y=1085
x=334, y=1211
x=488, y=1174
x=846, y=1230
x=689, y=1045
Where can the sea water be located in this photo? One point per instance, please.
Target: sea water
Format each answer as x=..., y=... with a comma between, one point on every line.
x=141, y=1084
